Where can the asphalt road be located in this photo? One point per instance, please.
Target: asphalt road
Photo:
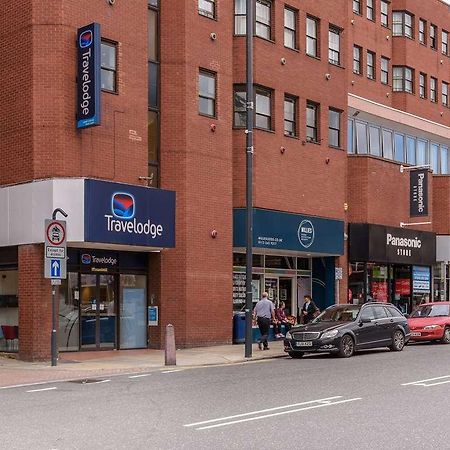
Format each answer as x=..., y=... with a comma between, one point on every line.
x=375, y=399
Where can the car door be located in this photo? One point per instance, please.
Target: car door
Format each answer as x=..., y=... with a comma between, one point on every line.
x=384, y=325
x=366, y=330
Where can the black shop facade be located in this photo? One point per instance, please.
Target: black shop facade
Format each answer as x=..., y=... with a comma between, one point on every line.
x=390, y=264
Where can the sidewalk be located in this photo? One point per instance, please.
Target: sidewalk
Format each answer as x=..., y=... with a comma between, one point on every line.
x=107, y=363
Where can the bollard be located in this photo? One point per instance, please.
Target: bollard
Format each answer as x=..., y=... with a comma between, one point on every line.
x=170, y=352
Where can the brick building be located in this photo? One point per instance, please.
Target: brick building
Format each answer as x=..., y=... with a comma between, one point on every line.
x=171, y=119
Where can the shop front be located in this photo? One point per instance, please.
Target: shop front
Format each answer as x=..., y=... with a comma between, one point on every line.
x=389, y=264
x=293, y=256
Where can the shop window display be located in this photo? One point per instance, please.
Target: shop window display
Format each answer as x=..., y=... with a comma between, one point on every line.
x=9, y=311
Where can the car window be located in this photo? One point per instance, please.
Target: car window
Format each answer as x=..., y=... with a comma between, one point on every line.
x=431, y=311
x=394, y=312
x=333, y=313
x=380, y=312
x=368, y=313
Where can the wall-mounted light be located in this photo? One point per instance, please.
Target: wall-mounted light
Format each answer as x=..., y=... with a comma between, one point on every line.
x=214, y=233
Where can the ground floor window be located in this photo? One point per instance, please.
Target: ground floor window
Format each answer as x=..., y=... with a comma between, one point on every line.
x=9, y=311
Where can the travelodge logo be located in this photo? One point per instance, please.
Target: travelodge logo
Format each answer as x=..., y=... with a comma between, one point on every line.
x=123, y=220
x=86, y=258
x=86, y=39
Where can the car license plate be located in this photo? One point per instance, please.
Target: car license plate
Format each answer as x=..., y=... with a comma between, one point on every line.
x=304, y=344
x=416, y=333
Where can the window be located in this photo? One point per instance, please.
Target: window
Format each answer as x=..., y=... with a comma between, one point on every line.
x=263, y=109
x=361, y=138
x=422, y=31
x=240, y=107
x=368, y=313
x=290, y=28
x=433, y=33
x=444, y=160
x=411, y=150
x=290, y=116
x=433, y=87
x=207, y=8
x=153, y=85
x=263, y=18
x=207, y=93
x=445, y=42
x=434, y=157
x=334, y=46
x=369, y=7
x=370, y=65
x=357, y=6
x=399, y=147
x=422, y=147
x=444, y=93
x=312, y=27
x=384, y=8
x=350, y=144
x=357, y=59
x=239, y=17
x=402, y=24
x=312, y=118
x=386, y=141
x=334, y=128
x=109, y=66
x=422, y=85
x=374, y=140
x=384, y=70
x=403, y=79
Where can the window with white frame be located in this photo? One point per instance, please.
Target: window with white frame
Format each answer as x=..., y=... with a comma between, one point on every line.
x=422, y=31
x=433, y=89
x=369, y=10
x=263, y=108
x=109, y=66
x=357, y=6
x=334, y=127
x=312, y=36
x=207, y=8
x=357, y=50
x=370, y=65
x=290, y=28
x=312, y=121
x=422, y=85
x=384, y=70
x=384, y=13
x=240, y=17
x=403, y=79
x=207, y=93
x=290, y=115
x=334, y=45
x=263, y=19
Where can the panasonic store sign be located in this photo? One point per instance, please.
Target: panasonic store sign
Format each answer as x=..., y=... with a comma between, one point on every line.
x=129, y=215
x=89, y=76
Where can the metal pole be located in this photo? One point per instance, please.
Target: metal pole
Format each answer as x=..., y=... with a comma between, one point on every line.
x=249, y=179
x=53, y=340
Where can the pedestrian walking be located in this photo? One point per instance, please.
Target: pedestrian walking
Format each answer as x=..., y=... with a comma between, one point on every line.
x=309, y=309
x=264, y=312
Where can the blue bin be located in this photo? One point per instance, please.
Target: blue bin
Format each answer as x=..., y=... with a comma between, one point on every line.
x=239, y=328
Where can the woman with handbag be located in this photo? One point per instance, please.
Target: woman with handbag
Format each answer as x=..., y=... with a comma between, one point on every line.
x=309, y=309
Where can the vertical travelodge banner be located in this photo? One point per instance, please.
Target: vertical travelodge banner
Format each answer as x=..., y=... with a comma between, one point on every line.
x=89, y=73
x=418, y=193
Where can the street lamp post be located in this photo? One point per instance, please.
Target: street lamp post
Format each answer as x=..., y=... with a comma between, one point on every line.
x=249, y=179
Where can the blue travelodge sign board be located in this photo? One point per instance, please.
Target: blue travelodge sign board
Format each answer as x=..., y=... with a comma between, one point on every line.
x=287, y=231
x=130, y=215
x=89, y=75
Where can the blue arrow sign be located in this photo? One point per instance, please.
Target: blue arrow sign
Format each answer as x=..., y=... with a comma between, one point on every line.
x=55, y=267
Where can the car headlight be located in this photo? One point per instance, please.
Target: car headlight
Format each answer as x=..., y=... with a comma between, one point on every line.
x=431, y=327
x=330, y=334
x=288, y=335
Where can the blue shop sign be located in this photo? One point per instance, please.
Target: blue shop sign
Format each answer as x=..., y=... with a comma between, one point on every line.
x=286, y=231
x=130, y=215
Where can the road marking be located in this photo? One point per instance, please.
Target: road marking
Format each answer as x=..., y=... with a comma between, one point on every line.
x=97, y=382
x=311, y=405
x=171, y=371
x=140, y=376
x=43, y=389
x=426, y=384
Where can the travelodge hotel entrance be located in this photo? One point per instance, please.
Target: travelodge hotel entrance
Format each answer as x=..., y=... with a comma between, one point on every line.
x=114, y=233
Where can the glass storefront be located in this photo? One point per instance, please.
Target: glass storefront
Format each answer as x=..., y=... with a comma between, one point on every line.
x=9, y=311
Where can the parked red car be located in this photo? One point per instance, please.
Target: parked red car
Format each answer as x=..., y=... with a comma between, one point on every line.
x=430, y=322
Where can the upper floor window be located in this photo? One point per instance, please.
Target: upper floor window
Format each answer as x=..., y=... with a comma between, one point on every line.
x=402, y=23
x=207, y=93
x=357, y=6
x=445, y=42
x=433, y=89
x=370, y=65
x=263, y=19
x=312, y=36
x=444, y=93
x=334, y=45
x=402, y=79
x=240, y=17
x=384, y=13
x=290, y=28
x=422, y=85
x=207, y=8
x=422, y=31
x=312, y=121
x=263, y=108
x=109, y=66
x=384, y=70
x=357, y=59
x=290, y=116
x=334, y=128
x=433, y=34
x=370, y=12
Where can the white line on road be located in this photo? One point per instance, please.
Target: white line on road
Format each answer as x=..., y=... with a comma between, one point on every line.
x=291, y=411
x=171, y=371
x=43, y=389
x=140, y=376
x=98, y=382
x=424, y=381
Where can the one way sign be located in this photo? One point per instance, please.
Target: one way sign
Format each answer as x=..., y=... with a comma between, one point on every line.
x=55, y=257
x=55, y=267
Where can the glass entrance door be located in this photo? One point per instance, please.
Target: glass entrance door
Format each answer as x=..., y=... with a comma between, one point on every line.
x=98, y=311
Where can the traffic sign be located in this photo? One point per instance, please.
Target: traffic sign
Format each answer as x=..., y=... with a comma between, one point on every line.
x=55, y=255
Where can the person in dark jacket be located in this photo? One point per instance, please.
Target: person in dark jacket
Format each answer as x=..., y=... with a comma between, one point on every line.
x=309, y=309
x=280, y=319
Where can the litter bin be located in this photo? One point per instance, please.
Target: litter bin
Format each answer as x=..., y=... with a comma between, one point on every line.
x=239, y=328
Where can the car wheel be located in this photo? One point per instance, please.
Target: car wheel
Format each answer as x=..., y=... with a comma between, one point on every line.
x=446, y=338
x=296, y=355
x=398, y=341
x=347, y=347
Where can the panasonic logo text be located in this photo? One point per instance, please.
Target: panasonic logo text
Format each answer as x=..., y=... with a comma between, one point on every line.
x=403, y=242
x=134, y=227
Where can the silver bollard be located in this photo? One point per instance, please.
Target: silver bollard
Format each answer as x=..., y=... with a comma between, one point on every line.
x=170, y=351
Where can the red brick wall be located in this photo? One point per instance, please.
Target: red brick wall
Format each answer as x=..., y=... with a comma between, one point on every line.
x=441, y=204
